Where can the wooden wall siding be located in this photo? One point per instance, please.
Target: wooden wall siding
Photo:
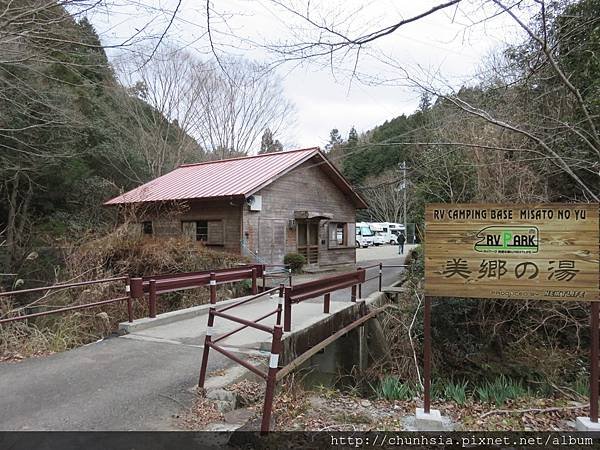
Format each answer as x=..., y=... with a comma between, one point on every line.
x=165, y=226
x=306, y=188
x=216, y=234
x=228, y=235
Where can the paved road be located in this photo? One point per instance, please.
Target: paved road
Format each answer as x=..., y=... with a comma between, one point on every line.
x=382, y=252
x=134, y=382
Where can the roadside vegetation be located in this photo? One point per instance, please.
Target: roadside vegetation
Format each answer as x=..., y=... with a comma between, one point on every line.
x=119, y=253
x=542, y=346
x=501, y=404
x=519, y=132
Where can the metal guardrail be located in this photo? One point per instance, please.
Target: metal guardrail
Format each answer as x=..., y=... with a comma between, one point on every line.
x=189, y=280
x=156, y=285
x=277, y=271
x=270, y=376
x=152, y=286
x=63, y=286
x=323, y=286
x=379, y=275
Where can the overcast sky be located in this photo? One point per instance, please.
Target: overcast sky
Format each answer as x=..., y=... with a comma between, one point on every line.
x=447, y=44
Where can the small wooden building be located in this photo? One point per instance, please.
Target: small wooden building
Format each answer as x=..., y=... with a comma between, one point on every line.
x=262, y=206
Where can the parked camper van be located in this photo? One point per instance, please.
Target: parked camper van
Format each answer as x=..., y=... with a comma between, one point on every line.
x=379, y=233
x=385, y=232
x=364, y=235
x=396, y=229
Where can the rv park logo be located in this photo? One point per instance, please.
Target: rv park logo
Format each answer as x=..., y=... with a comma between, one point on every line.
x=503, y=239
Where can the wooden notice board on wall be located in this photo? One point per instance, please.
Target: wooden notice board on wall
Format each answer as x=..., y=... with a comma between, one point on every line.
x=539, y=252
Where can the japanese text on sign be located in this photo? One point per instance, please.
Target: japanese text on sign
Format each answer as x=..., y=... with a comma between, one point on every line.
x=496, y=251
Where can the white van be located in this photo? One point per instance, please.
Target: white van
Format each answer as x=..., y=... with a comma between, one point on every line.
x=379, y=233
x=384, y=233
x=396, y=229
x=364, y=235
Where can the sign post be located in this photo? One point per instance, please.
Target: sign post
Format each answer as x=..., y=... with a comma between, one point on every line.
x=516, y=252
x=427, y=356
x=594, y=355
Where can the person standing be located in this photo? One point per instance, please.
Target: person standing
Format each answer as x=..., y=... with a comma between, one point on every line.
x=401, y=241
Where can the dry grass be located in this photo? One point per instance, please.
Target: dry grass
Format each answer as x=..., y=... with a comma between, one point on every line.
x=248, y=393
x=202, y=413
x=290, y=404
x=19, y=340
x=116, y=254
x=120, y=253
x=332, y=410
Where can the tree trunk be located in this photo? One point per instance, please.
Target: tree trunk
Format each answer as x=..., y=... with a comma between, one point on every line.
x=10, y=224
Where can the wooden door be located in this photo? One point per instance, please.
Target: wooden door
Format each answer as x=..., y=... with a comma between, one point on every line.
x=272, y=240
x=308, y=240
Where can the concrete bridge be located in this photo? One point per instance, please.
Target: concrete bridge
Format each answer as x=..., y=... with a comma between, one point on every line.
x=146, y=377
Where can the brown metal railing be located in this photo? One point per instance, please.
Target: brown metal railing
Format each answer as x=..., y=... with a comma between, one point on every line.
x=285, y=273
x=288, y=295
x=63, y=286
x=157, y=284
x=153, y=286
x=270, y=376
x=379, y=275
x=323, y=286
x=55, y=287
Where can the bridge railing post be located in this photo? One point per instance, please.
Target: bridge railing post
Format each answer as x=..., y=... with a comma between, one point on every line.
x=271, y=380
x=326, y=303
x=353, y=293
x=152, y=298
x=213, y=288
x=280, y=304
x=207, y=341
x=129, y=299
x=254, y=284
x=358, y=269
x=137, y=288
x=287, y=310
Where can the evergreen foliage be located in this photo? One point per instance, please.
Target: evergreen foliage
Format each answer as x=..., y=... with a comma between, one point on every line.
x=68, y=139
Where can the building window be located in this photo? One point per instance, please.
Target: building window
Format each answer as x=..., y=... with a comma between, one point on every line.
x=202, y=230
x=210, y=232
x=341, y=234
x=147, y=227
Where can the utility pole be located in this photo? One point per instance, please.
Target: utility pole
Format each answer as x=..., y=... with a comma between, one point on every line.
x=404, y=195
x=404, y=189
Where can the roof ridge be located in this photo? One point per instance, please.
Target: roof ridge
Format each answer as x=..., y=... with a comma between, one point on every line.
x=249, y=156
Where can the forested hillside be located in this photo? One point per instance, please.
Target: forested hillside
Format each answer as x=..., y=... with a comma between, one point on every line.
x=77, y=129
x=69, y=138
x=524, y=132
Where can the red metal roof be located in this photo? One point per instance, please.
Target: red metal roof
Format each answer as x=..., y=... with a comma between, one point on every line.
x=226, y=178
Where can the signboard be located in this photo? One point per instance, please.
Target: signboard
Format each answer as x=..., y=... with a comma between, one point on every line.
x=539, y=252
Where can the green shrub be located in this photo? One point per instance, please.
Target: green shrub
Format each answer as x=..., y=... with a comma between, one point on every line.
x=500, y=390
x=456, y=391
x=295, y=261
x=437, y=389
x=392, y=388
